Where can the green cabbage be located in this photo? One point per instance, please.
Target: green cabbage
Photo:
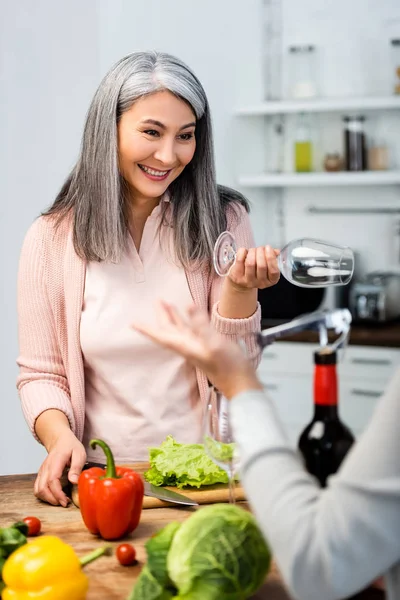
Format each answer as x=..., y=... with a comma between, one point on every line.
x=182, y=465
x=154, y=582
x=157, y=551
x=218, y=553
x=148, y=588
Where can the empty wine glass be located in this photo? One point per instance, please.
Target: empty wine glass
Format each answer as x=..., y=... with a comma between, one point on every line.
x=218, y=438
x=305, y=262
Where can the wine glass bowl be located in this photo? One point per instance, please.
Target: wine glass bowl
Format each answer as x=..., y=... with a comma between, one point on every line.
x=218, y=438
x=308, y=263
x=305, y=262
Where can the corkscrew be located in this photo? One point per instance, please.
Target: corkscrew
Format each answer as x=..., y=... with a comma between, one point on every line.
x=339, y=320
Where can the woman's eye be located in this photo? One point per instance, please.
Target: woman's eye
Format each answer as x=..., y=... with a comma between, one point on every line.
x=186, y=136
x=151, y=132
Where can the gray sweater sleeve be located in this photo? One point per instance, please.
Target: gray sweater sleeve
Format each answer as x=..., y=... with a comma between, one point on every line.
x=327, y=543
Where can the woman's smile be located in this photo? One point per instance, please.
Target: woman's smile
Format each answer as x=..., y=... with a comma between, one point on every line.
x=154, y=174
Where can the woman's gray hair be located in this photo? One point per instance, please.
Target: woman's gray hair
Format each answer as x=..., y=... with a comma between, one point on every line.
x=94, y=191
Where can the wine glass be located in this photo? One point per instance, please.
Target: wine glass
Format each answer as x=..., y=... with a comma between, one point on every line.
x=218, y=438
x=305, y=262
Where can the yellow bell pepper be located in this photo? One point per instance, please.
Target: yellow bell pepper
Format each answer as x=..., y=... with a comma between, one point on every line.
x=46, y=569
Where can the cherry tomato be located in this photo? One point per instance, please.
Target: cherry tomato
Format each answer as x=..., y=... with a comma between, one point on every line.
x=126, y=554
x=34, y=525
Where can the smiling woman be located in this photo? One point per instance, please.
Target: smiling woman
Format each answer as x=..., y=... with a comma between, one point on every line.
x=136, y=219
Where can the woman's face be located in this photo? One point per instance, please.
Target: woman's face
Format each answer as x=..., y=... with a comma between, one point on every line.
x=155, y=143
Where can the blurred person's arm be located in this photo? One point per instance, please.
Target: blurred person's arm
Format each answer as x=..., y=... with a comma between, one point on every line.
x=334, y=542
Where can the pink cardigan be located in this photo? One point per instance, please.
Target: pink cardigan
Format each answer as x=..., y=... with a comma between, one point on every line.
x=50, y=295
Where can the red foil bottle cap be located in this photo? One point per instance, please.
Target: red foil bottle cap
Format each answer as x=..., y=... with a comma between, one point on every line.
x=325, y=379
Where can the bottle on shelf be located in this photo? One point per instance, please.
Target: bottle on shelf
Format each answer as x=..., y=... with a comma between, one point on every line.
x=303, y=146
x=355, y=149
x=326, y=440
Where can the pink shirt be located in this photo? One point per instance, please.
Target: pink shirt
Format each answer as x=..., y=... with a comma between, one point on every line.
x=51, y=282
x=136, y=392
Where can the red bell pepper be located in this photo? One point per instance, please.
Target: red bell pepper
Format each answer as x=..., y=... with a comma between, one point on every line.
x=110, y=499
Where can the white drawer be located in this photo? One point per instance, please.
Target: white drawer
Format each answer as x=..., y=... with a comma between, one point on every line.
x=292, y=397
x=357, y=402
x=288, y=357
x=369, y=363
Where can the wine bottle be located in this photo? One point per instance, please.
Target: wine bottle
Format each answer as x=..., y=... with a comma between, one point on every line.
x=326, y=440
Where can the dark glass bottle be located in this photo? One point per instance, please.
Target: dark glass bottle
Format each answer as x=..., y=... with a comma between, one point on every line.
x=326, y=440
x=355, y=148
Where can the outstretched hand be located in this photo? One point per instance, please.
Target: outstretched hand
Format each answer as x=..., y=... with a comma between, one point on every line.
x=192, y=336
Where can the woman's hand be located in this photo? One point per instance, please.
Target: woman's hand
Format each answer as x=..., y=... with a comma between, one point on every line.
x=66, y=450
x=255, y=268
x=192, y=336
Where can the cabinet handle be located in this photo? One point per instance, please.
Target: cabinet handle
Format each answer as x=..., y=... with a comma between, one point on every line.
x=371, y=361
x=368, y=393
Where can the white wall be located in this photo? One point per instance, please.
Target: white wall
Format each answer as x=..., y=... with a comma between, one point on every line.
x=49, y=71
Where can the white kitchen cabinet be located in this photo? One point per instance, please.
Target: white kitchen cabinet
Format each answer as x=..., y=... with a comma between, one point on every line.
x=293, y=400
x=369, y=362
x=294, y=358
x=286, y=370
x=358, y=400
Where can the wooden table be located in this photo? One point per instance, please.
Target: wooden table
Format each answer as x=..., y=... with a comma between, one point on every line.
x=108, y=580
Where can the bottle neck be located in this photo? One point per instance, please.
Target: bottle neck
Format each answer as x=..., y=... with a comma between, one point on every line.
x=325, y=391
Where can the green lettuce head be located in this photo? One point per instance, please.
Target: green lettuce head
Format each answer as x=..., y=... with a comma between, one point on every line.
x=218, y=554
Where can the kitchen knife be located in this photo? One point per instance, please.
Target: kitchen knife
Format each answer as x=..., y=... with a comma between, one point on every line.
x=168, y=495
x=155, y=491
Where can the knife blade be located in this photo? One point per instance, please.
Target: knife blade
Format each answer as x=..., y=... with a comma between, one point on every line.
x=155, y=491
x=168, y=495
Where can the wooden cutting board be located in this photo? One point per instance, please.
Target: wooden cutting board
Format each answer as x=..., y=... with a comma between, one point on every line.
x=205, y=495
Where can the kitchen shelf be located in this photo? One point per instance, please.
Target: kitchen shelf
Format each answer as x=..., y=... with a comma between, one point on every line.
x=320, y=179
x=319, y=105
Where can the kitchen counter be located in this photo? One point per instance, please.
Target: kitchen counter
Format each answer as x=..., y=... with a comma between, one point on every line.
x=109, y=580
x=386, y=335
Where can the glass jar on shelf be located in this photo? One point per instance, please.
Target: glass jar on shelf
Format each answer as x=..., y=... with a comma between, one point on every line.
x=302, y=72
x=378, y=155
x=355, y=148
x=395, y=47
x=332, y=162
x=303, y=146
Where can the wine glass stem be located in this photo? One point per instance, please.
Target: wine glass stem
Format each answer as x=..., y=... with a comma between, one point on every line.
x=231, y=481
